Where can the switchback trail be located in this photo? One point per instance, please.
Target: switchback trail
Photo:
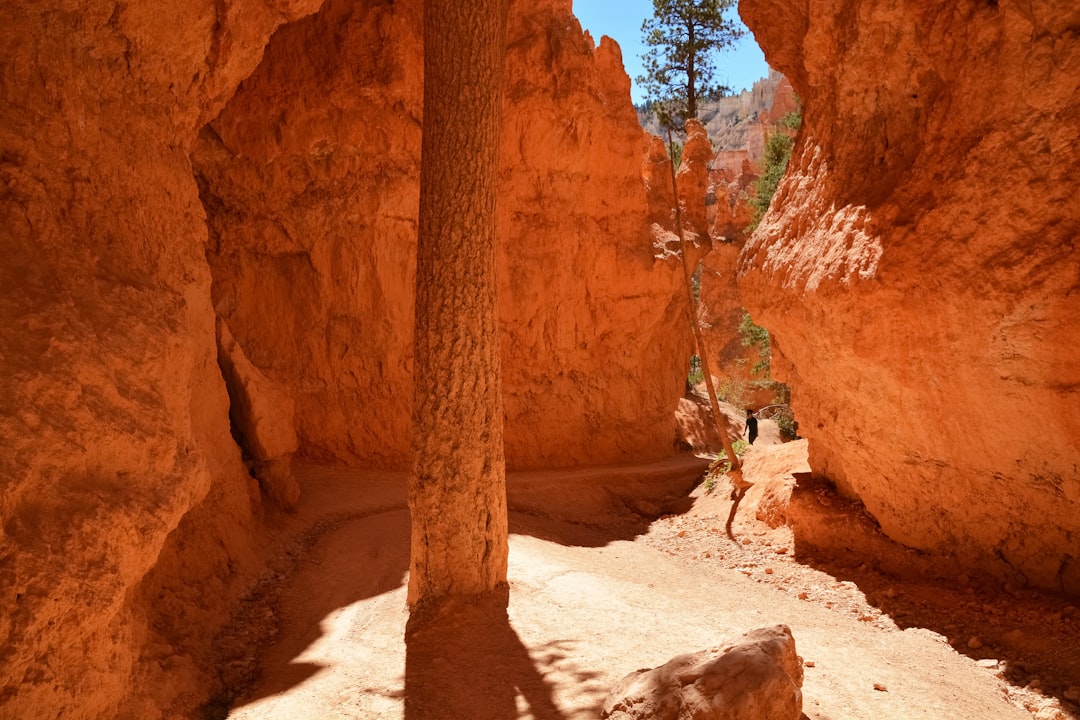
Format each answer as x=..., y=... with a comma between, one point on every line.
x=600, y=586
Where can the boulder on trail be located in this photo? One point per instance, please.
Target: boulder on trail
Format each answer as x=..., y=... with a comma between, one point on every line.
x=758, y=676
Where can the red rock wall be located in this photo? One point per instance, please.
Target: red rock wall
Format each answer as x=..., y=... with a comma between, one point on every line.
x=113, y=414
x=310, y=179
x=596, y=342
x=693, y=181
x=920, y=274
x=656, y=174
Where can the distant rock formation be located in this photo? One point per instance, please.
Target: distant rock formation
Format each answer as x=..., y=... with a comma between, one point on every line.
x=738, y=131
x=734, y=122
x=919, y=270
x=737, y=127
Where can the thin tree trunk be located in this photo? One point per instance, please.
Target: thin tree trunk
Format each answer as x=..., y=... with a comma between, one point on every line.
x=691, y=77
x=457, y=489
x=703, y=352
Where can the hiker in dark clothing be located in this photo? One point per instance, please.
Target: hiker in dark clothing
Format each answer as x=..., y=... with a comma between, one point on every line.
x=751, y=425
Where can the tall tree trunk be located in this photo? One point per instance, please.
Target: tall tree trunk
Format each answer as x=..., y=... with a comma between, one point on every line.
x=457, y=489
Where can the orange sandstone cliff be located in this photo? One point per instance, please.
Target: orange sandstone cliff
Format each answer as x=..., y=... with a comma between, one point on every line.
x=920, y=274
x=310, y=180
x=128, y=520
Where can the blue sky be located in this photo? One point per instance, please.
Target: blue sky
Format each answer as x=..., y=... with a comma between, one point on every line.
x=621, y=19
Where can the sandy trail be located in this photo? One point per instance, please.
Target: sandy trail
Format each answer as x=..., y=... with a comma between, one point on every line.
x=589, y=603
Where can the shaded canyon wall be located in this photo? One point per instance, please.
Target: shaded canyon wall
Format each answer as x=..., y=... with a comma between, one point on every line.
x=920, y=274
x=113, y=413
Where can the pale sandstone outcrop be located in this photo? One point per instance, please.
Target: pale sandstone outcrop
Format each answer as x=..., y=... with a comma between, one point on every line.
x=758, y=676
x=919, y=270
x=310, y=180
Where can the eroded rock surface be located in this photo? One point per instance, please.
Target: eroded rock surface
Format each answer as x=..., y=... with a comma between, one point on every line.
x=113, y=414
x=693, y=179
x=128, y=515
x=919, y=270
x=755, y=677
x=262, y=416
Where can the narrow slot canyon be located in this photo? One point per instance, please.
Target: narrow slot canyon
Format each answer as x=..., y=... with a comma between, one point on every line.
x=212, y=366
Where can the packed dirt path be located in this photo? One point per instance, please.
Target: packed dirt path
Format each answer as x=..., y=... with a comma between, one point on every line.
x=600, y=585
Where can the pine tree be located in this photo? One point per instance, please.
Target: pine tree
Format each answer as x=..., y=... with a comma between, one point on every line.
x=683, y=37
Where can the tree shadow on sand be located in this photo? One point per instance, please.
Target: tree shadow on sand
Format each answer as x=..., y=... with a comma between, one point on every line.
x=464, y=660
x=369, y=556
x=471, y=665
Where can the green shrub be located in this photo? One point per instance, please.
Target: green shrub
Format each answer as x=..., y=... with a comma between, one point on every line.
x=696, y=374
x=788, y=427
x=731, y=391
x=676, y=154
x=755, y=335
x=778, y=146
x=777, y=153
x=793, y=120
x=721, y=465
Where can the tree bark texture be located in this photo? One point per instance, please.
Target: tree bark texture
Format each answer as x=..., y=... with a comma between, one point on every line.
x=457, y=489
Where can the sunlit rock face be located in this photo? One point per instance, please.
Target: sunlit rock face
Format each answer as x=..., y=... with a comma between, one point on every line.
x=113, y=413
x=596, y=339
x=920, y=274
x=310, y=178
